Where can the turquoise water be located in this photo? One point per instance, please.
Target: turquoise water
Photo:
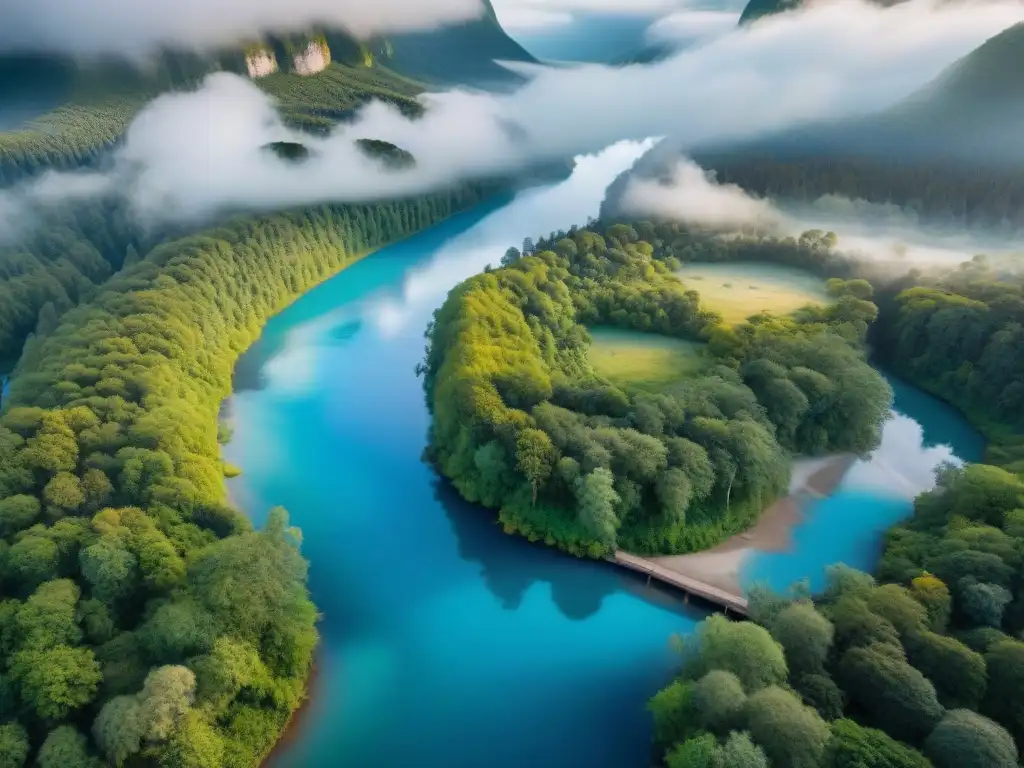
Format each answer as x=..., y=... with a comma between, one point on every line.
x=445, y=642
x=877, y=493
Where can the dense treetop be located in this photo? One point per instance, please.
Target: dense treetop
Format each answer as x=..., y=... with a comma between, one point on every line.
x=866, y=676
x=921, y=664
x=960, y=335
x=522, y=423
x=142, y=620
x=102, y=101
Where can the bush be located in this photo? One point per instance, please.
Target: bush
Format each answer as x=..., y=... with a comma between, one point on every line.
x=981, y=639
x=790, y=733
x=842, y=581
x=742, y=648
x=965, y=739
x=934, y=595
x=698, y=752
x=854, y=746
x=895, y=604
x=984, y=604
x=897, y=697
x=856, y=626
x=957, y=672
x=740, y=752
x=820, y=692
x=13, y=746
x=718, y=698
x=1005, y=662
x=806, y=637
x=674, y=713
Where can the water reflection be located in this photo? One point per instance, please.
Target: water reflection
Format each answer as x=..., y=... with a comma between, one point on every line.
x=877, y=493
x=510, y=567
x=438, y=630
x=533, y=213
x=439, y=633
x=904, y=464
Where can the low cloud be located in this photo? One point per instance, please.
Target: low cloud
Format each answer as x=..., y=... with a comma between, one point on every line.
x=536, y=15
x=866, y=230
x=191, y=154
x=620, y=7
x=137, y=27
x=691, y=25
x=530, y=19
x=691, y=195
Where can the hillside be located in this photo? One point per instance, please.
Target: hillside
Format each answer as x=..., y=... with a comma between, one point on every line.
x=58, y=113
x=61, y=115
x=953, y=151
x=461, y=53
x=757, y=9
x=976, y=105
x=972, y=112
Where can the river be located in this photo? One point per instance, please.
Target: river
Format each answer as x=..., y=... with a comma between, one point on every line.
x=444, y=642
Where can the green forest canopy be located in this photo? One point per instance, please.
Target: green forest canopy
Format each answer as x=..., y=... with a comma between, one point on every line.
x=920, y=665
x=103, y=101
x=867, y=675
x=522, y=423
x=77, y=246
x=929, y=654
x=142, y=620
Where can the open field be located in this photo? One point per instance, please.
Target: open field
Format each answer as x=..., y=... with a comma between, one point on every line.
x=737, y=291
x=644, y=360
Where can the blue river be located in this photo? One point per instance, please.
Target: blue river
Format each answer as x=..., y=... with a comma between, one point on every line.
x=444, y=642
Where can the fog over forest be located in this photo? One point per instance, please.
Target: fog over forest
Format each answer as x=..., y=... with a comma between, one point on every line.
x=689, y=194
x=188, y=155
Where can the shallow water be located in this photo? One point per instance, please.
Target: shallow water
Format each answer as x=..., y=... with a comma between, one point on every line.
x=876, y=493
x=445, y=642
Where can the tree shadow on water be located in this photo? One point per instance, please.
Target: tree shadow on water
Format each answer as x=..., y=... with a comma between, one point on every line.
x=511, y=565
x=248, y=375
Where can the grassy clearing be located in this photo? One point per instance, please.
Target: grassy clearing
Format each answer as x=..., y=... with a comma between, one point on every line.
x=630, y=359
x=737, y=291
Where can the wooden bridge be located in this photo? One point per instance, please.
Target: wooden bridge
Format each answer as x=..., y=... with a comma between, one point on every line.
x=729, y=602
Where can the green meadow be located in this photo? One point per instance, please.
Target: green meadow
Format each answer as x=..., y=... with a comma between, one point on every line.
x=737, y=291
x=632, y=359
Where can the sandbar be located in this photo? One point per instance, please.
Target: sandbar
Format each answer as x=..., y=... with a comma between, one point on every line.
x=720, y=566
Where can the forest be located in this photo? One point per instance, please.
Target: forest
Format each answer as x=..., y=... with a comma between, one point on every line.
x=964, y=195
x=143, y=621
x=868, y=674
x=74, y=246
x=523, y=424
x=58, y=263
x=918, y=665
x=960, y=335
x=952, y=331
x=103, y=100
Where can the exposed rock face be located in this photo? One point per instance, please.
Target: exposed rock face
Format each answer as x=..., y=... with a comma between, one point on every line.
x=313, y=59
x=261, y=64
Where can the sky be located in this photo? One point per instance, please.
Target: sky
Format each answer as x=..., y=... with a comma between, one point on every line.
x=136, y=27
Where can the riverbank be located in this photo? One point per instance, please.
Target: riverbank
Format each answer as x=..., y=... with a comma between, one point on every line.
x=720, y=567
x=293, y=729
